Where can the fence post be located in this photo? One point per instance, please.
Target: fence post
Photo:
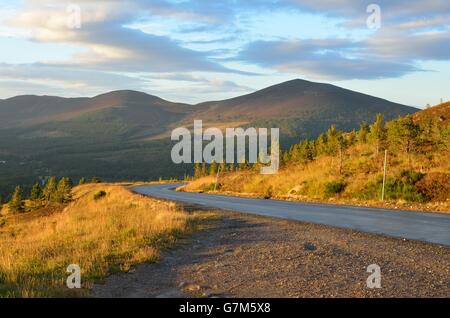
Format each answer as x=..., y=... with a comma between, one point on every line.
x=384, y=175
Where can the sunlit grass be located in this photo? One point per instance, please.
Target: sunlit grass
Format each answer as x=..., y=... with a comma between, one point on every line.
x=102, y=236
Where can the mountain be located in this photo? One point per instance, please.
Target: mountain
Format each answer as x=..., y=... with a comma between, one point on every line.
x=124, y=134
x=303, y=108
x=300, y=98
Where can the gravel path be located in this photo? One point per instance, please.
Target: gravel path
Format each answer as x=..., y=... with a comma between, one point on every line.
x=252, y=256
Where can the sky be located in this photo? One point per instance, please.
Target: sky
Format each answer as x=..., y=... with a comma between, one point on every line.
x=199, y=50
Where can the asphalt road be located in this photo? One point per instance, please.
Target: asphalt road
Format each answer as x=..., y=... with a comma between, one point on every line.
x=427, y=227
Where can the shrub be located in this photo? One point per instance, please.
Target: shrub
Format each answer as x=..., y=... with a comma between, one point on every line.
x=211, y=187
x=399, y=187
x=268, y=193
x=100, y=194
x=334, y=187
x=96, y=180
x=411, y=177
x=434, y=186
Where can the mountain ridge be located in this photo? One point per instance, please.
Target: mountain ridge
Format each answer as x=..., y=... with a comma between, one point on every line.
x=125, y=134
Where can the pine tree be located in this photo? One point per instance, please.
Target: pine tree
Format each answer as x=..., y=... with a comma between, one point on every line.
x=212, y=168
x=321, y=144
x=49, y=189
x=430, y=138
x=16, y=203
x=363, y=132
x=333, y=141
x=197, y=170
x=378, y=133
x=351, y=138
x=63, y=191
x=36, y=192
x=95, y=180
x=404, y=135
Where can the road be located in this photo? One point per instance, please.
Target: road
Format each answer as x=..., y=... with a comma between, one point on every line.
x=421, y=226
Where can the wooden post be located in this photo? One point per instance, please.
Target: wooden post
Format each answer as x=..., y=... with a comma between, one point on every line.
x=384, y=175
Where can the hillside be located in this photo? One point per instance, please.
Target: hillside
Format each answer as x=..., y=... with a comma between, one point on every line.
x=348, y=167
x=300, y=98
x=441, y=112
x=302, y=108
x=102, y=235
x=121, y=134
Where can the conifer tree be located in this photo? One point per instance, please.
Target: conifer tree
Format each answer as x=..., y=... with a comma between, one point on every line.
x=95, y=180
x=363, y=132
x=63, y=191
x=16, y=203
x=377, y=133
x=197, y=170
x=404, y=136
x=213, y=168
x=49, y=189
x=36, y=192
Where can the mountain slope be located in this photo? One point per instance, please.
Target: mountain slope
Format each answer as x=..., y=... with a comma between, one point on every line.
x=300, y=98
x=124, y=135
x=29, y=110
x=301, y=109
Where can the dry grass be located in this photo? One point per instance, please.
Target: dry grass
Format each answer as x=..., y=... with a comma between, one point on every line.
x=102, y=236
x=361, y=167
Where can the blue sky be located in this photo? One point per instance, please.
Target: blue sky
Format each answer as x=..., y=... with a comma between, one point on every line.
x=198, y=50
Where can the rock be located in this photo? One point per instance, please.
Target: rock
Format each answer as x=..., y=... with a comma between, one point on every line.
x=309, y=246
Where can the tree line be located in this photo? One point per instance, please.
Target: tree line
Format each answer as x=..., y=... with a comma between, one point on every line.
x=53, y=191
x=400, y=136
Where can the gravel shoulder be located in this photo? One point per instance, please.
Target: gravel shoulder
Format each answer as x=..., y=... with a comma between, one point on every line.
x=244, y=255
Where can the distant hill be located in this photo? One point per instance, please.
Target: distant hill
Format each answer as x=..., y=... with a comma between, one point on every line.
x=123, y=135
x=300, y=98
x=302, y=108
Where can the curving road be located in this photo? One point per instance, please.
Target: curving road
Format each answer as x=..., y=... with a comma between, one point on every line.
x=427, y=227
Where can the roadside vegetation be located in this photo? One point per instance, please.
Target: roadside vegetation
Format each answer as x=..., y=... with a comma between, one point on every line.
x=104, y=228
x=347, y=167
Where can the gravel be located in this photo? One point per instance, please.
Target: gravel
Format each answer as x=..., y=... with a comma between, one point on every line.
x=251, y=256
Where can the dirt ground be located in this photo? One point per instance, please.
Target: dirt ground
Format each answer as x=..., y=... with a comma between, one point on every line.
x=252, y=256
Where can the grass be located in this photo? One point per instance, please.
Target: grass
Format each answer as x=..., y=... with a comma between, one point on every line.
x=101, y=236
x=359, y=183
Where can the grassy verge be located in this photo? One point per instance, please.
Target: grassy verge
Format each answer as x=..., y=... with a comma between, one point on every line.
x=103, y=234
x=359, y=184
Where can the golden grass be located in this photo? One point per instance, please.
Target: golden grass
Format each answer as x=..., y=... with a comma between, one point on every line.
x=199, y=184
x=307, y=182
x=101, y=236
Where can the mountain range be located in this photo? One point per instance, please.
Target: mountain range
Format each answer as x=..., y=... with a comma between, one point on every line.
x=124, y=135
